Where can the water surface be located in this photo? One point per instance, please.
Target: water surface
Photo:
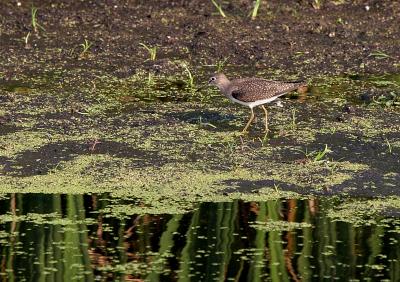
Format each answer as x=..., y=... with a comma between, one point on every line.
x=81, y=238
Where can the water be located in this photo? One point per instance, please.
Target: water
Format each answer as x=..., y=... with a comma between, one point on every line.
x=96, y=237
x=79, y=238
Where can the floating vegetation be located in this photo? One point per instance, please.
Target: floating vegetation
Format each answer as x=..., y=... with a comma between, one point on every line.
x=47, y=218
x=146, y=264
x=365, y=212
x=279, y=225
x=127, y=210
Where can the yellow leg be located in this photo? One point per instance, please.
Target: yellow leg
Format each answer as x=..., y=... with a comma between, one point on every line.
x=266, y=118
x=249, y=122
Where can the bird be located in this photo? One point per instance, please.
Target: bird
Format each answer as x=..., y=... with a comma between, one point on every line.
x=253, y=92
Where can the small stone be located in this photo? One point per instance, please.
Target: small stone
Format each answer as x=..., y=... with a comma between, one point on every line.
x=349, y=109
x=365, y=97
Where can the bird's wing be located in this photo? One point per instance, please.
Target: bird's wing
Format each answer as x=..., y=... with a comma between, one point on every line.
x=250, y=90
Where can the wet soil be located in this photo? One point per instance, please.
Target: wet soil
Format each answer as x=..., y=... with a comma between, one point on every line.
x=129, y=125
x=288, y=37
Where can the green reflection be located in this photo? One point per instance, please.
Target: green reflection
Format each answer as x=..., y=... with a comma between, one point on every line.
x=71, y=238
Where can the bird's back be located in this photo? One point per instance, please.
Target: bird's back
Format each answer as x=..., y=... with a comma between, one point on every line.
x=255, y=89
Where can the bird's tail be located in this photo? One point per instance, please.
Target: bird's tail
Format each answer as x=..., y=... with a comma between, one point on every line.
x=301, y=85
x=300, y=82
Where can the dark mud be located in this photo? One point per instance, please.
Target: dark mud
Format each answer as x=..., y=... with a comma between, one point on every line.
x=287, y=37
x=51, y=156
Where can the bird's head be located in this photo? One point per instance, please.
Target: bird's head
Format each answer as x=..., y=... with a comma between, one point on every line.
x=219, y=80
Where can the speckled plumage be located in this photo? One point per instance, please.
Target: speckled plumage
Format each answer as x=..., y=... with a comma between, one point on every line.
x=253, y=92
x=255, y=89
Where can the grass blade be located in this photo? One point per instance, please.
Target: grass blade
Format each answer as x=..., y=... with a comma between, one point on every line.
x=219, y=8
x=255, y=9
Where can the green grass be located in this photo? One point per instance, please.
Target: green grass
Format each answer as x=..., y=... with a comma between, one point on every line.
x=379, y=55
x=316, y=156
x=264, y=140
x=34, y=21
x=389, y=146
x=201, y=123
x=190, y=79
x=221, y=64
x=390, y=100
x=150, y=79
x=294, y=119
x=219, y=8
x=152, y=51
x=316, y=4
x=26, y=38
x=255, y=9
x=85, y=47
x=319, y=155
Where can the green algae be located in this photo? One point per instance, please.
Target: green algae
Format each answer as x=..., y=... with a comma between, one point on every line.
x=316, y=176
x=279, y=225
x=265, y=194
x=147, y=263
x=62, y=179
x=47, y=218
x=369, y=124
x=194, y=145
x=16, y=142
x=365, y=212
x=171, y=188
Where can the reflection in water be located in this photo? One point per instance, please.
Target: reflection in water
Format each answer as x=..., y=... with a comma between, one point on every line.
x=67, y=237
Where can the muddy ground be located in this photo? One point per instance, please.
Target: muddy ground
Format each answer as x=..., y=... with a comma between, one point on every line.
x=112, y=120
x=291, y=37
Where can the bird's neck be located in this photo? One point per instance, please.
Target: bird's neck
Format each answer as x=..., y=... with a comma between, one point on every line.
x=224, y=86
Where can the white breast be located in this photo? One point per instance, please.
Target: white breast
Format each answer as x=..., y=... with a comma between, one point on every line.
x=255, y=103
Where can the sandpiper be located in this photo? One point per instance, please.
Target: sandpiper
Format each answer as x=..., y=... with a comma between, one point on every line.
x=253, y=92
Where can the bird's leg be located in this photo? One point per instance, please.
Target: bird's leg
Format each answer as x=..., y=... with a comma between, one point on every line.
x=266, y=118
x=250, y=121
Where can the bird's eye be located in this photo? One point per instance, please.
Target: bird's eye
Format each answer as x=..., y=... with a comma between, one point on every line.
x=212, y=78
